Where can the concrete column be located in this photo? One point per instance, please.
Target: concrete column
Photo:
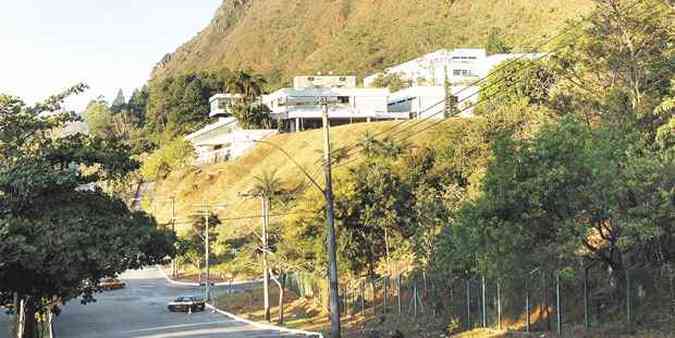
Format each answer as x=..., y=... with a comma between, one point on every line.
x=297, y=124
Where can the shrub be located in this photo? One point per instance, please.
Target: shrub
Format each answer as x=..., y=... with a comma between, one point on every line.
x=174, y=155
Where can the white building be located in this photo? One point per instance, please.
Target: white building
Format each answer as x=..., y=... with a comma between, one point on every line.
x=299, y=108
x=428, y=102
x=458, y=66
x=225, y=139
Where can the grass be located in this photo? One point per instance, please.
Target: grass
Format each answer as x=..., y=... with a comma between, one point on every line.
x=221, y=184
x=281, y=38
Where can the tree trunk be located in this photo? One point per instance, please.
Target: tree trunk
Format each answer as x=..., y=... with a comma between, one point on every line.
x=28, y=326
x=281, y=298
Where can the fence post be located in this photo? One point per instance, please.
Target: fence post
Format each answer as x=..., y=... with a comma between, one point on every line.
x=587, y=319
x=468, y=304
x=398, y=293
x=415, y=297
x=384, y=304
x=363, y=300
x=374, y=302
x=484, y=313
x=527, y=303
x=499, y=306
x=628, y=319
x=557, y=300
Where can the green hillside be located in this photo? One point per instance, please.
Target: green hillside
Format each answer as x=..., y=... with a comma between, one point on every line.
x=281, y=38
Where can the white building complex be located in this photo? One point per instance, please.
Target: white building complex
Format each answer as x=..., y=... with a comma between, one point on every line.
x=458, y=66
x=225, y=139
x=299, y=108
x=427, y=76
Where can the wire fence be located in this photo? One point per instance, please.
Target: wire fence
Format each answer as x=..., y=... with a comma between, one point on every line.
x=540, y=300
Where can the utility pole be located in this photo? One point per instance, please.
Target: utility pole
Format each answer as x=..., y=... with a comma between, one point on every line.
x=206, y=213
x=330, y=225
x=173, y=228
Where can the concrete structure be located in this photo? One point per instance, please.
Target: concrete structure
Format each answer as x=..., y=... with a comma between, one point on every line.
x=299, y=109
x=428, y=102
x=459, y=66
x=221, y=104
x=225, y=140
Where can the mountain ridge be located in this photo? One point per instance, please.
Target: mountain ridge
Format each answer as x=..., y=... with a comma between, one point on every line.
x=282, y=38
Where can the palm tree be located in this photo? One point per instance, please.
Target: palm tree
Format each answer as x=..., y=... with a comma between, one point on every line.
x=250, y=86
x=267, y=187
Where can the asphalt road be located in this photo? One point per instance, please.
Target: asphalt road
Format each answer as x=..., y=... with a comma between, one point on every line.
x=139, y=311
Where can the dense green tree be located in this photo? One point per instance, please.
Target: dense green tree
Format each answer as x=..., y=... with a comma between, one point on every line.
x=119, y=103
x=99, y=118
x=137, y=105
x=251, y=86
x=59, y=234
x=179, y=105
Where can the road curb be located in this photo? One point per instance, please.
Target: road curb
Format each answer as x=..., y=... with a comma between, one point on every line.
x=240, y=319
x=175, y=282
x=264, y=326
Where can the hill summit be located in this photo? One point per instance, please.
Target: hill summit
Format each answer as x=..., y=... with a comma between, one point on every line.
x=282, y=38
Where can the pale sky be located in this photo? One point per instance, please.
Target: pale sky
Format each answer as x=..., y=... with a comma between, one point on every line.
x=49, y=45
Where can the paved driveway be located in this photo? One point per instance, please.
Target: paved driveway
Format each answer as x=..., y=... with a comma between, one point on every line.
x=139, y=311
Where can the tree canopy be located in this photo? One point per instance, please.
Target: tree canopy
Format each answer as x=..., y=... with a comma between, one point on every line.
x=59, y=233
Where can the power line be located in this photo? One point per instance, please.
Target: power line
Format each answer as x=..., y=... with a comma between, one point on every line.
x=183, y=222
x=498, y=69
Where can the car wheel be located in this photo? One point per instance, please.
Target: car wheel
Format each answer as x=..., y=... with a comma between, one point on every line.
x=203, y=307
x=172, y=309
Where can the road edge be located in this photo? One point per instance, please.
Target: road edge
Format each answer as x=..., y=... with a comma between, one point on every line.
x=175, y=282
x=240, y=319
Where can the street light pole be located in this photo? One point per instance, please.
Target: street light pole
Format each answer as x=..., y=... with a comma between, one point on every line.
x=330, y=225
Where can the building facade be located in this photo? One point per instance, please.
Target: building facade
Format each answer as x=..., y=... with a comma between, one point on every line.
x=458, y=66
x=428, y=102
x=299, y=108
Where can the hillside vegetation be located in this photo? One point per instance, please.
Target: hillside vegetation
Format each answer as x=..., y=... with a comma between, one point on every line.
x=282, y=38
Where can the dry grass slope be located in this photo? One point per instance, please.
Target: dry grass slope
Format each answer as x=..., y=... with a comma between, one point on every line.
x=222, y=183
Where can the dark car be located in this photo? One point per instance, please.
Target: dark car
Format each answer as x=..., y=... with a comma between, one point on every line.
x=187, y=303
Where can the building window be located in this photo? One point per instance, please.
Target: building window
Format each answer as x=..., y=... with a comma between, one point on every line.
x=461, y=72
x=343, y=99
x=224, y=104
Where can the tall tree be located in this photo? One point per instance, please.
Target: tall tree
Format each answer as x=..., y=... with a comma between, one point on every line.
x=119, y=103
x=59, y=234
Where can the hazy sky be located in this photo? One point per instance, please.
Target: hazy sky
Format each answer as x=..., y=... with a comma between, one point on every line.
x=48, y=45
